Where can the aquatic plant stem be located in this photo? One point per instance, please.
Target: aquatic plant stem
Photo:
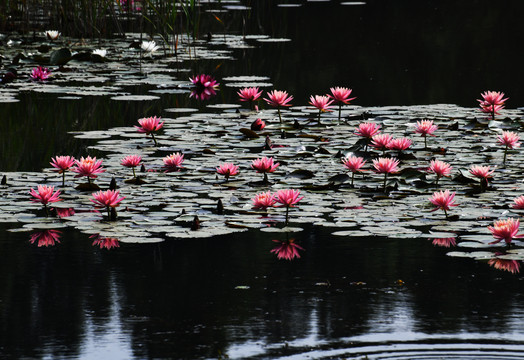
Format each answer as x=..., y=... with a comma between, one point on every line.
x=505, y=153
x=134, y=174
x=63, y=179
x=385, y=180
x=287, y=216
x=339, y=111
x=153, y=136
x=352, y=178
x=279, y=115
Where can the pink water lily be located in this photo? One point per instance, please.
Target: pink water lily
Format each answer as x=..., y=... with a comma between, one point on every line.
x=131, y=161
x=518, y=202
x=205, y=87
x=439, y=168
x=264, y=200
x=381, y=141
x=149, y=126
x=386, y=166
x=288, y=198
x=40, y=73
x=62, y=164
x=353, y=164
x=443, y=200
x=250, y=94
x=108, y=199
x=173, y=162
x=287, y=250
x=425, y=128
x=400, y=144
x=227, y=169
x=204, y=81
x=510, y=140
x=45, y=195
x=277, y=98
x=322, y=103
x=341, y=95
x=492, y=102
x=506, y=230
x=483, y=173
x=264, y=165
x=367, y=131
x=88, y=167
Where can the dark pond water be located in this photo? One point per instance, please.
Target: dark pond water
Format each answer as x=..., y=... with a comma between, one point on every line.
x=379, y=297
x=228, y=296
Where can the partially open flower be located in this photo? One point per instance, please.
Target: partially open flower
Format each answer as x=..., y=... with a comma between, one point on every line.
x=249, y=94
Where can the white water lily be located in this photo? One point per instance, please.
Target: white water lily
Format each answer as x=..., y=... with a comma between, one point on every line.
x=52, y=34
x=149, y=46
x=100, y=52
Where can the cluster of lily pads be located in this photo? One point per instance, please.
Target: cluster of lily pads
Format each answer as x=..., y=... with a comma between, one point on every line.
x=179, y=192
x=370, y=144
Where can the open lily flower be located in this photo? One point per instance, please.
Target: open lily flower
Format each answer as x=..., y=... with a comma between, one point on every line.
x=443, y=200
x=40, y=73
x=100, y=52
x=149, y=46
x=492, y=102
x=52, y=34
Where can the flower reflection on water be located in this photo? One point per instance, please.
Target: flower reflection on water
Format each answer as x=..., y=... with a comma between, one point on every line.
x=46, y=237
x=512, y=266
x=287, y=250
x=444, y=242
x=105, y=242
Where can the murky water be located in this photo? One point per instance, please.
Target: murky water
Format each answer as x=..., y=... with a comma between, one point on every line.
x=228, y=296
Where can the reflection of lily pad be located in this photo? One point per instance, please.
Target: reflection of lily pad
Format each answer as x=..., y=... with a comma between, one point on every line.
x=135, y=98
x=286, y=229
